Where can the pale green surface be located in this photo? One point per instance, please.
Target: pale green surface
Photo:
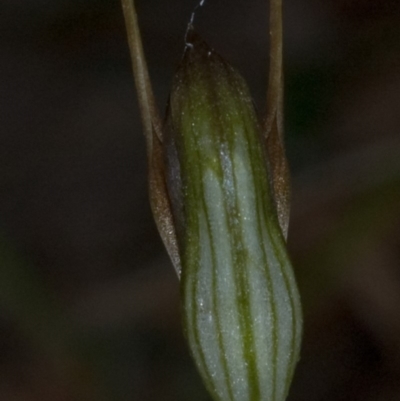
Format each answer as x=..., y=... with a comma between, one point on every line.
x=240, y=302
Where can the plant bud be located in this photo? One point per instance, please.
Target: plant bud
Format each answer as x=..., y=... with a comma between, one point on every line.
x=241, y=307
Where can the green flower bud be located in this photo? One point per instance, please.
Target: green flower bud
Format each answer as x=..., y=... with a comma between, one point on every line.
x=241, y=307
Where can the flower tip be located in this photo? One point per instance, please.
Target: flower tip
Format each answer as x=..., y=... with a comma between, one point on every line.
x=191, y=36
x=194, y=41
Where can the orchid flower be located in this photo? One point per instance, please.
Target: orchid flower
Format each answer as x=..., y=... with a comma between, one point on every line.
x=219, y=191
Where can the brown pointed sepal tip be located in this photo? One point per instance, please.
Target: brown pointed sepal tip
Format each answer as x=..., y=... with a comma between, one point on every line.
x=196, y=49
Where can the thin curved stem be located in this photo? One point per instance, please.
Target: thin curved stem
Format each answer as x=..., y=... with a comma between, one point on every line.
x=148, y=110
x=273, y=123
x=159, y=199
x=275, y=80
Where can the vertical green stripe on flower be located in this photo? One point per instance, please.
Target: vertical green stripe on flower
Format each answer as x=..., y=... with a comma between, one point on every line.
x=241, y=307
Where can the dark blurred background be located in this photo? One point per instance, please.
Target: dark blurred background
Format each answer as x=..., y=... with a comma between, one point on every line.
x=89, y=305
